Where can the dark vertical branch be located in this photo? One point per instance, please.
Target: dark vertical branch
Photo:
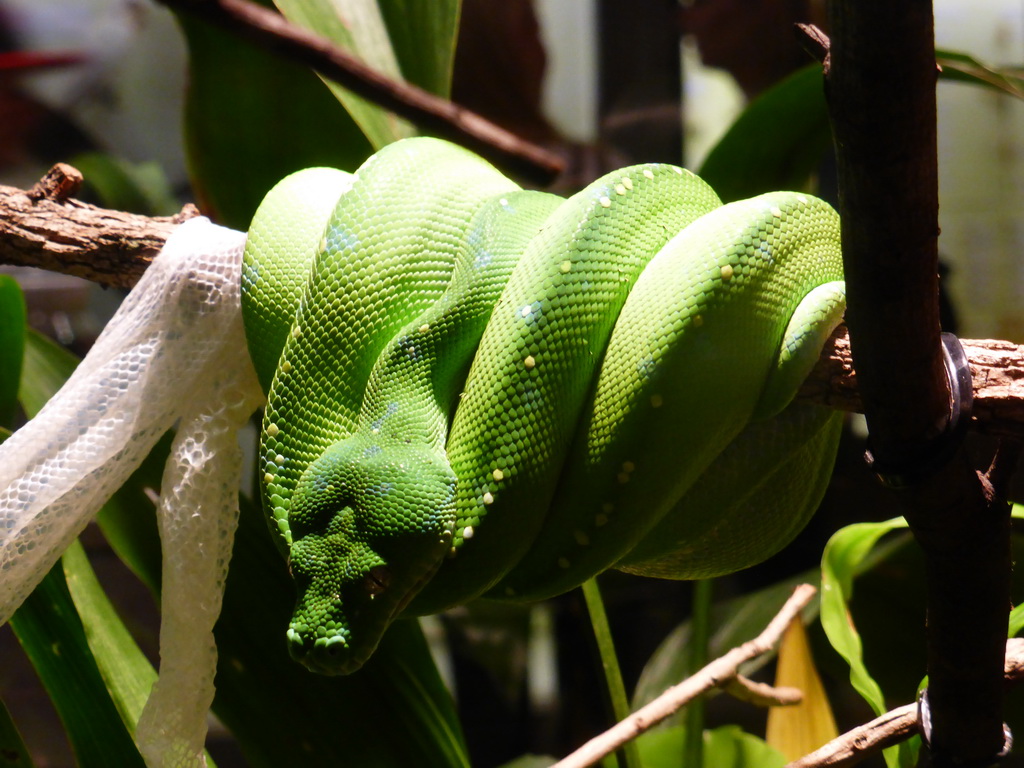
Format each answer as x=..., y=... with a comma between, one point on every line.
x=881, y=90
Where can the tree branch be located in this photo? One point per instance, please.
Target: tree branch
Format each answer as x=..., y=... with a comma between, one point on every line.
x=271, y=31
x=718, y=673
x=113, y=248
x=881, y=97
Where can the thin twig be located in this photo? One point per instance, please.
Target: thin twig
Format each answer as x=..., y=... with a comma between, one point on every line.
x=715, y=674
x=431, y=113
x=762, y=694
x=894, y=726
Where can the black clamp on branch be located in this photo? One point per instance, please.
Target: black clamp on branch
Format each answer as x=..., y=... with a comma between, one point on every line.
x=936, y=453
x=924, y=727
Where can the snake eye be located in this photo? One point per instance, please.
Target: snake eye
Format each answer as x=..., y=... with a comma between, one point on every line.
x=377, y=580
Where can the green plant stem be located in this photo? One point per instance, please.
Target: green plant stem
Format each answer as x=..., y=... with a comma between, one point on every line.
x=629, y=755
x=697, y=657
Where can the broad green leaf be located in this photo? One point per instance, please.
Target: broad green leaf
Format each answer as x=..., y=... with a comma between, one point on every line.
x=780, y=139
x=358, y=28
x=12, y=346
x=251, y=118
x=423, y=34
x=125, y=669
x=841, y=561
x=801, y=728
x=13, y=753
x=47, y=367
x=776, y=143
x=725, y=747
x=51, y=633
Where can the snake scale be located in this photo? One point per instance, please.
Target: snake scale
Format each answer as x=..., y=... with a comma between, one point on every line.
x=476, y=390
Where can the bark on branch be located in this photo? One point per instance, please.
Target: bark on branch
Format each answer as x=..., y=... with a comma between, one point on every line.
x=46, y=229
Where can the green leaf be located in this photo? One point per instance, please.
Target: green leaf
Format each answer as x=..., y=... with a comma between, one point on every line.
x=252, y=118
x=842, y=560
x=51, y=633
x=13, y=752
x=776, y=143
x=423, y=34
x=47, y=367
x=779, y=140
x=725, y=747
x=359, y=30
x=125, y=669
x=960, y=67
x=12, y=346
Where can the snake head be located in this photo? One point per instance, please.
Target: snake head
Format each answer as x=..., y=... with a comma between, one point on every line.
x=371, y=523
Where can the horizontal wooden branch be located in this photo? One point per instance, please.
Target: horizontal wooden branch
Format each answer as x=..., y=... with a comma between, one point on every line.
x=44, y=228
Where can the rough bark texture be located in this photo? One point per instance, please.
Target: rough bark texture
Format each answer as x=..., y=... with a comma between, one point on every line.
x=881, y=91
x=68, y=236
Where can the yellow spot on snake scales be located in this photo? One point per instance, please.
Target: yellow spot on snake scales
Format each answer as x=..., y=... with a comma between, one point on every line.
x=279, y=460
x=604, y=201
x=272, y=430
x=565, y=266
x=323, y=243
x=424, y=328
x=286, y=367
x=620, y=189
x=648, y=174
x=498, y=475
x=296, y=331
x=268, y=478
x=488, y=498
x=727, y=272
x=776, y=212
x=529, y=362
x=627, y=182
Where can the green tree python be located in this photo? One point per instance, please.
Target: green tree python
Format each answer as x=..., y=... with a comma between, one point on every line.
x=476, y=390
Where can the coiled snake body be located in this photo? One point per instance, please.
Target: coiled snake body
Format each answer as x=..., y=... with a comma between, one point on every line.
x=478, y=390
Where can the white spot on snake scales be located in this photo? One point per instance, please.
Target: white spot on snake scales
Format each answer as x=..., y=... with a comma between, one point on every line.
x=503, y=202
x=296, y=331
x=565, y=266
x=679, y=171
x=529, y=362
x=648, y=173
x=424, y=328
x=726, y=272
x=627, y=182
x=776, y=212
x=488, y=498
x=467, y=532
x=620, y=189
x=525, y=311
x=272, y=430
x=286, y=367
x=279, y=460
x=604, y=201
x=801, y=199
x=268, y=478
x=498, y=475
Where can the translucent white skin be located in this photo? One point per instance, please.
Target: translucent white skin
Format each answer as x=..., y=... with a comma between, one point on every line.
x=174, y=352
